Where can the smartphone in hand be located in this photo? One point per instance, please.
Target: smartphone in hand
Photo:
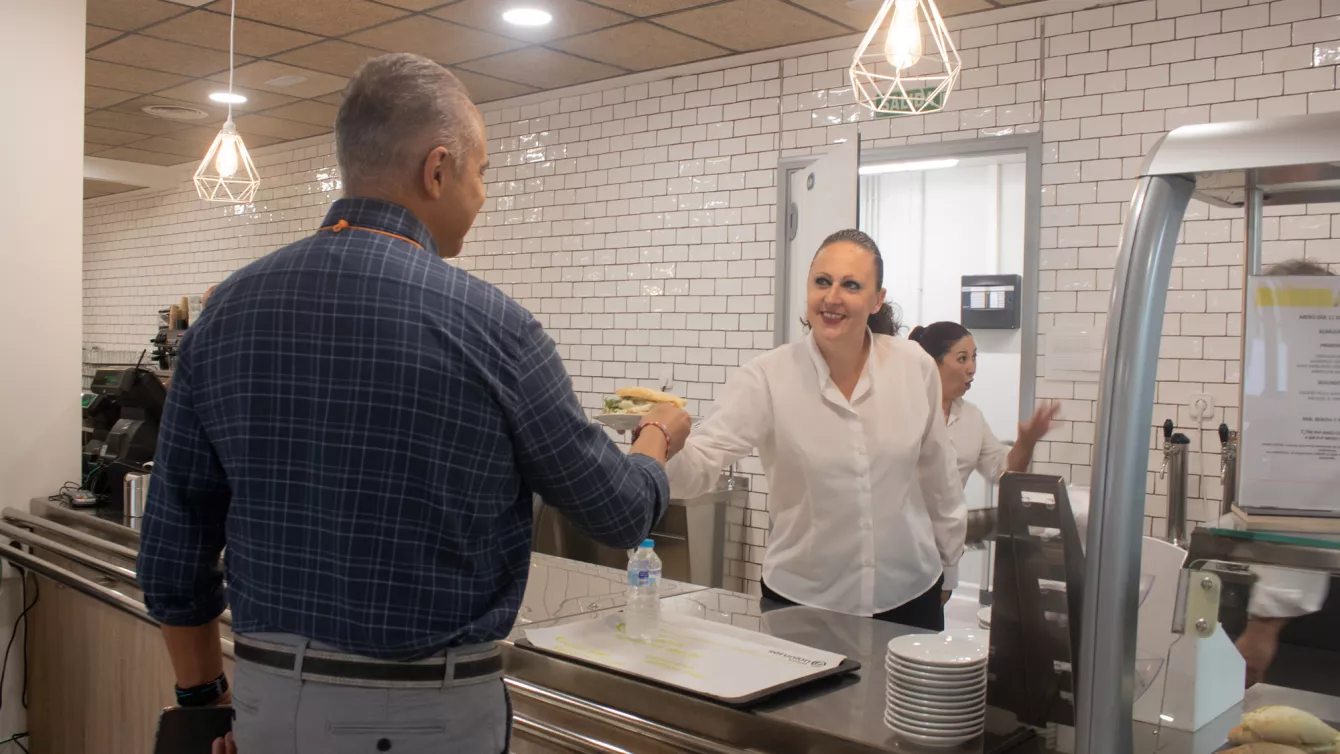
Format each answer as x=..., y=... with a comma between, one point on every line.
x=191, y=730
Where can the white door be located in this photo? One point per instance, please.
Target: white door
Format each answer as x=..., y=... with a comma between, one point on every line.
x=823, y=201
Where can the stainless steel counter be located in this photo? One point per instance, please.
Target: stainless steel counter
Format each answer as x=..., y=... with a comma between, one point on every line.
x=837, y=715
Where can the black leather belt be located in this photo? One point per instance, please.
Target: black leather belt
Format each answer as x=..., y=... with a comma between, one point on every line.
x=318, y=663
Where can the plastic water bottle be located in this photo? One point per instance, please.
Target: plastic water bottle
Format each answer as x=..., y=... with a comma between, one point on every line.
x=642, y=614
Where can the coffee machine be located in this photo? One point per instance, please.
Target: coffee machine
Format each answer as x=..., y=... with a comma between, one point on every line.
x=135, y=397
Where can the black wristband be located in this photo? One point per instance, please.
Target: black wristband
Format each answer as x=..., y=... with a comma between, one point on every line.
x=203, y=695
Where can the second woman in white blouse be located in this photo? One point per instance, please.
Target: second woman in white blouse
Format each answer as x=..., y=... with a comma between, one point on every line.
x=975, y=446
x=865, y=505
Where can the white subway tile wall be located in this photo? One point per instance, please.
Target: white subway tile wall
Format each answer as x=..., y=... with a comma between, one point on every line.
x=638, y=222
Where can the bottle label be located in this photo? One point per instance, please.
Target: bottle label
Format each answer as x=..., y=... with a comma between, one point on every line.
x=641, y=578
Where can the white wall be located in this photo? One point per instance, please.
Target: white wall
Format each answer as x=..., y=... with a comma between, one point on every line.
x=934, y=227
x=636, y=216
x=41, y=170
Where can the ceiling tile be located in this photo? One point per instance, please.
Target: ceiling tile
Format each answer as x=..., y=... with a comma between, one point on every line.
x=486, y=88
x=646, y=8
x=307, y=111
x=96, y=35
x=185, y=150
x=129, y=14
x=109, y=137
x=140, y=124
x=959, y=7
x=210, y=30
x=570, y=17
x=638, y=46
x=201, y=137
x=282, y=129
x=126, y=78
x=327, y=18
x=130, y=154
x=256, y=75
x=752, y=24
x=541, y=67
x=198, y=91
x=162, y=55
x=858, y=18
x=94, y=189
x=96, y=96
x=417, y=5
x=331, y=56
x=446, y=43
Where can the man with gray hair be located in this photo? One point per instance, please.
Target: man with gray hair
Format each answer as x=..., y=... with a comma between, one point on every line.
x=363, y=425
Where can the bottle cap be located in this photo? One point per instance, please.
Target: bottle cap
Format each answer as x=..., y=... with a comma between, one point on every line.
x=648, y=544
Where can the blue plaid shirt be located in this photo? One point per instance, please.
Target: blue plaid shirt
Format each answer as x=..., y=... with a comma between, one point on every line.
x=363, y=425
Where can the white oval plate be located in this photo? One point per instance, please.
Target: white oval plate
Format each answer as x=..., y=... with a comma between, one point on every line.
x=924, y=740
x=930, y=729
x=937, y=697
x=620, y=422
x=932, y=686
x=957, y=648
x=971, y=716
x=925, y=671
x=935, y=707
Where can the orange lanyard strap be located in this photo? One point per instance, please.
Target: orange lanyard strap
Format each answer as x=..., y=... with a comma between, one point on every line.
x=343, y=224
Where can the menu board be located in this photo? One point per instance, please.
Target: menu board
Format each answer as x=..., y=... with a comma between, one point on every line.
x=1291, y=396
x=712, y=659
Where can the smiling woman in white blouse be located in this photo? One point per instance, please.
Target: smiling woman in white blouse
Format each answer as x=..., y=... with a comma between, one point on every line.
x=865, y=505
x=976, y=447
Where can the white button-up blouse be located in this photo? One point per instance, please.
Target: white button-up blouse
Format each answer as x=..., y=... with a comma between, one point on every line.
x=864, y=499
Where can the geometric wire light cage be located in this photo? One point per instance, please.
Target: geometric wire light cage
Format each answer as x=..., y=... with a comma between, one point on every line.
x=227, y=173
x=901, y=74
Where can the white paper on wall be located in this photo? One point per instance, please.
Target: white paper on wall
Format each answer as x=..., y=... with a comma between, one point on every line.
x=1290, y=448
x=1074, y=353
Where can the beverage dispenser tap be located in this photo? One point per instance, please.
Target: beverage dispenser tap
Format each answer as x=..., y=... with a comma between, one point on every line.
x=1228, y=468
x=1176, y=447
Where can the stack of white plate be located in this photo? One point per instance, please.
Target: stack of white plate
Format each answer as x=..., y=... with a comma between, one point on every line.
x=936, y=693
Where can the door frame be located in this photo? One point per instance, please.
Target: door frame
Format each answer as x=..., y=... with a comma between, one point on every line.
x=1029, y=144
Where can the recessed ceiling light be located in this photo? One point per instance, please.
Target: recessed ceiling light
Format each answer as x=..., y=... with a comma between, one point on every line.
x=227, y=98
x=527, y=17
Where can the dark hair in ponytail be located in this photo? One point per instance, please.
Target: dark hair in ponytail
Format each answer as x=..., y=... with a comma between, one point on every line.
x=885, y=321
x=938, y=338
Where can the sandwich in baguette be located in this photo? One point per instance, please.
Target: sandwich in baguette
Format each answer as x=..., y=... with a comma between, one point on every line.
x=639, y=400
x=1288, y=726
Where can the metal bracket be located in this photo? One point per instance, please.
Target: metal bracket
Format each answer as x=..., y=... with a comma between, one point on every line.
x=1197, y=607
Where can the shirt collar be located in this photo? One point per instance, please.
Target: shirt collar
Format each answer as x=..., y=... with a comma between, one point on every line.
x=826, y=385
x=955, y=411
x=383, y=216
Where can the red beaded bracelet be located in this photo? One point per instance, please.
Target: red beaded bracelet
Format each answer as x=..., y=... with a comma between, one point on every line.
x=638, y=432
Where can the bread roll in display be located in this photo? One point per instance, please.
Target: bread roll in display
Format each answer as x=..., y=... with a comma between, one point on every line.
x=1286, y=725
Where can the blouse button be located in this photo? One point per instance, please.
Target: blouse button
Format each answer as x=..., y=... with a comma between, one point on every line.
x=865, y=525
x=868, y=562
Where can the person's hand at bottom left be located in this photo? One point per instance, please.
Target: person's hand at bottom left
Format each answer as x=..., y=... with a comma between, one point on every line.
x=224, y=745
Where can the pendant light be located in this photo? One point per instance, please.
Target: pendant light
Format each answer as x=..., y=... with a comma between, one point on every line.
x=227, y=173
x=903, y=74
